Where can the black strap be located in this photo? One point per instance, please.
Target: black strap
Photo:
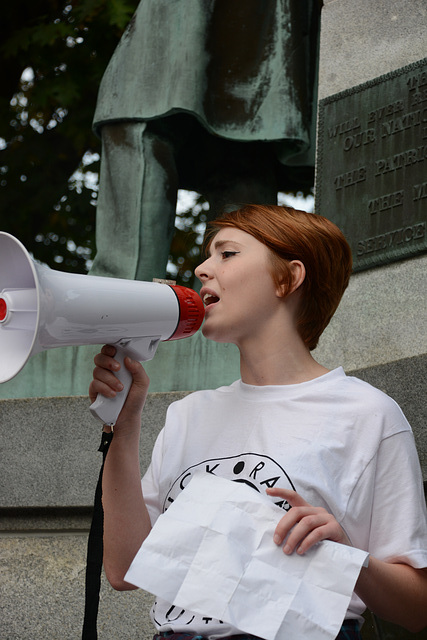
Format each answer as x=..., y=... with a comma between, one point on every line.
x=95, y=550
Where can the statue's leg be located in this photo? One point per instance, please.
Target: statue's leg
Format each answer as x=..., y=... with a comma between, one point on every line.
x=158, y=207
x=136, y=204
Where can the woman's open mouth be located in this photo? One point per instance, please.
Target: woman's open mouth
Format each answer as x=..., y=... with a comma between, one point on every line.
x=209, y=298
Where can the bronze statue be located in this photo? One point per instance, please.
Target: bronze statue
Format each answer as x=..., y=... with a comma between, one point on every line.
x=215, y=96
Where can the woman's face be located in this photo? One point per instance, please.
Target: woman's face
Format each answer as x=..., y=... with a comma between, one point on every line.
x=238, y=290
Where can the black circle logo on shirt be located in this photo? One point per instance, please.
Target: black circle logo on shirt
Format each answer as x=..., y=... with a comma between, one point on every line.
x=256, y=470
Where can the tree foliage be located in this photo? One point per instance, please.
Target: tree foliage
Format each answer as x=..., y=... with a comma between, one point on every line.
x=53, y=55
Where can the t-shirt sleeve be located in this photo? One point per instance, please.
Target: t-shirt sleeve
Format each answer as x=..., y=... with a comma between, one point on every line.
x=398, y=520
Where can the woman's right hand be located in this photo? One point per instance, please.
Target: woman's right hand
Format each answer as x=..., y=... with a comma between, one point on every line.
x=107, y=384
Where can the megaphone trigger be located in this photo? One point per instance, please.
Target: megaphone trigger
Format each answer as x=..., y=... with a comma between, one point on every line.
x=108, y=409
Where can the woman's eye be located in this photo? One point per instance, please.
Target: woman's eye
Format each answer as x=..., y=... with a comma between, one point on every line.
x=228, y=254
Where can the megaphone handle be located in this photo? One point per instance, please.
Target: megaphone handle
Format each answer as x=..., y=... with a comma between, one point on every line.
x=107, y=409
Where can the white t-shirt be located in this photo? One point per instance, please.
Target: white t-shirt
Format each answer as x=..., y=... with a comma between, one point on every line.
x=336, y=440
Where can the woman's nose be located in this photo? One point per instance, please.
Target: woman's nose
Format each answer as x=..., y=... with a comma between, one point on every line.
x=202, y=271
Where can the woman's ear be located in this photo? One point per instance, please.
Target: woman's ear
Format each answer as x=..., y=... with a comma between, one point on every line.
x=298, y=274
x=297, y=271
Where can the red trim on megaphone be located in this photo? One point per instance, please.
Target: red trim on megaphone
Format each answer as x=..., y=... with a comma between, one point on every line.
x=191, y=312
x=3, y=309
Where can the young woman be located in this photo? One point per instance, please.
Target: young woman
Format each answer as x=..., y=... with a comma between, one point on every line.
x=336, y=450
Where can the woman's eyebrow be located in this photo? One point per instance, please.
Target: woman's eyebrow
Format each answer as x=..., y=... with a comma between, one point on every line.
x=218, y=244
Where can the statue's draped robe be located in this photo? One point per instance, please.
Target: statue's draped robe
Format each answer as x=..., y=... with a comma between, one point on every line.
x=245, y=69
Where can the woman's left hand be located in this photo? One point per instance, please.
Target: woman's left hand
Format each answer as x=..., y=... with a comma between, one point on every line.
x=304, y=525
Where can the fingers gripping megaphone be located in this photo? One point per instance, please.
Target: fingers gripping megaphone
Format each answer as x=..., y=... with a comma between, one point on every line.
x=41, y=308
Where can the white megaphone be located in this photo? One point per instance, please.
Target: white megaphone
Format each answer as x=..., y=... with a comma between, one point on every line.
x=41, y=308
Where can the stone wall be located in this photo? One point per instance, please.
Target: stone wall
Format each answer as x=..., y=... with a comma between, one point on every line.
x=50, y=465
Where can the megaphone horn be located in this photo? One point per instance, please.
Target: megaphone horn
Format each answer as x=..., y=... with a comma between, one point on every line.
x=41, y=308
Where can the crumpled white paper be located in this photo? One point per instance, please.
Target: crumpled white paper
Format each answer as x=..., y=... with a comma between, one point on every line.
x=212, y=552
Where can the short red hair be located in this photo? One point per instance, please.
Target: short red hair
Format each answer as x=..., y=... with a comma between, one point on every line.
x=317, y=242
